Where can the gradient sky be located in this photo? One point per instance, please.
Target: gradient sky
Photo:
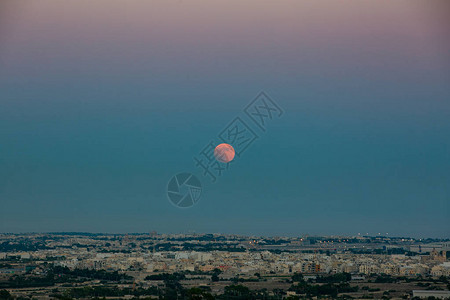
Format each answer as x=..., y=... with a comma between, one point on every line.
x=102, y=101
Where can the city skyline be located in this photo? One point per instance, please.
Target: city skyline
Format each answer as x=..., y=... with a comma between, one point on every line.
x=207, y=266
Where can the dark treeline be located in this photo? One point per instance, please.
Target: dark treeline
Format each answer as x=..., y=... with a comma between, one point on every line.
x=166, y=276
x=330, y=285
x=170, y=291
x=328, y=289
x=57, y=274
x=89, y=273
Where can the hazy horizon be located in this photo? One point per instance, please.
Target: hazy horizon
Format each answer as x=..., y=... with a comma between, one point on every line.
x=365, y=235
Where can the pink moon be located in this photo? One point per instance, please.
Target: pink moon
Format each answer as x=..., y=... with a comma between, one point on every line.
x=224, y=153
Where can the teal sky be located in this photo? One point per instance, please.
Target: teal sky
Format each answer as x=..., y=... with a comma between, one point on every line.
x=101, y=102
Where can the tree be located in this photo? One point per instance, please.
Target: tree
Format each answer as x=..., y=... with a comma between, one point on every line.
x=5, y=295
x=215, y=277
x=297, y=277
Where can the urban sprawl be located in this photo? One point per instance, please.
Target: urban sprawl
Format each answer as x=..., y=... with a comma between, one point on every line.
x=218, y=266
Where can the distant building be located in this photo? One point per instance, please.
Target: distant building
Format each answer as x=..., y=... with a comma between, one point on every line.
x=441, y=270
x=436, y=294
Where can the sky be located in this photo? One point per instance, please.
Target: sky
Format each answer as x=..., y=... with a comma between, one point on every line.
x=103, y=101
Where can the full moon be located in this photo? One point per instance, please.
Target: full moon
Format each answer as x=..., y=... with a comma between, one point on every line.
x=224, y=153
